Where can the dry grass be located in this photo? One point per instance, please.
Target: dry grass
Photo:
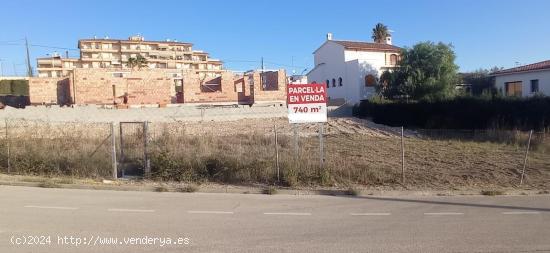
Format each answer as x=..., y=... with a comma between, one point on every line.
x=49, y=184
x=188, y=188
x=243, y=152
x=161, y=188
x=271, y=190
x=492, y=192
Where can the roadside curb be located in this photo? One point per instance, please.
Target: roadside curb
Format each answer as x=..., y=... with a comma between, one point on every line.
x=232, y=189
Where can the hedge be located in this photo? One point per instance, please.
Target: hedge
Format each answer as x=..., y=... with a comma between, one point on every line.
x=461, y=113
x=14, y=87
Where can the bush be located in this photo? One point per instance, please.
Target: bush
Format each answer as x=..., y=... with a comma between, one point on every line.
x=188, y=188
x=461, y=113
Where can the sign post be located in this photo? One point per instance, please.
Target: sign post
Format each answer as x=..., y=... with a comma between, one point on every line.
x=307, y=103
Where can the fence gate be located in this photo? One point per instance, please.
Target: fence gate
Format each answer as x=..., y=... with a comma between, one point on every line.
x=133, y=160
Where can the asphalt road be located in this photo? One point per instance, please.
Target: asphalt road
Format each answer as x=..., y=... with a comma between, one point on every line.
x=63, y=220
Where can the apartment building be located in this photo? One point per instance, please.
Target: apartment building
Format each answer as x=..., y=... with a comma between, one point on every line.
x=114, y=54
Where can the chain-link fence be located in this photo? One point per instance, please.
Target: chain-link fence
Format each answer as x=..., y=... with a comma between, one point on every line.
x=271, y=151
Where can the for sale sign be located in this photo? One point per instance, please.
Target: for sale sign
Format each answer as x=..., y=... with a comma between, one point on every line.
x=307, y=103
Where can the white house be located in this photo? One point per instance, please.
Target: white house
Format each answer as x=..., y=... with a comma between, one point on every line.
x=351, y=69
x=524, y=81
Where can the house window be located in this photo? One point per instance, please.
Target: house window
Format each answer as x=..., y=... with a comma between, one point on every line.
x=535, y=86
x=333, y=82
x=370, y=80
x=328, y=83
x=393, y=59
x=340, y=81
x=514, y=89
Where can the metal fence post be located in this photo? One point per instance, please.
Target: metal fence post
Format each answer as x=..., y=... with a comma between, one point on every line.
x=113, y=150
x=525, y=160
x=295, y=130
x=402, y=157
x=145, y=140
x=321, y=148
x=8, y=145
x=277, y=154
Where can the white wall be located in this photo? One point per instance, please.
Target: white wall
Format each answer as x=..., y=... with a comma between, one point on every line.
x=329, y=62
x=329, y=52
x=332, y=62
x=376, y=59
x=543, y=76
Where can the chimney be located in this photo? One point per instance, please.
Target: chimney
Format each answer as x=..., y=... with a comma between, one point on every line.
x=388, y=40
x=329, y=36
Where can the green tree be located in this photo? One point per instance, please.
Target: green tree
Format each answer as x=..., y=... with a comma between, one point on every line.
x=481, y=80
x=138, y=62
x=379, y=33
x=425, y=71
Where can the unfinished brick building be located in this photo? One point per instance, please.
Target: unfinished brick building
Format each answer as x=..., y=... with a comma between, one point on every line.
x=158, y=86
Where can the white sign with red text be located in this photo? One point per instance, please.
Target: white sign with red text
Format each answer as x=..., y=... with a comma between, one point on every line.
x=307, y=103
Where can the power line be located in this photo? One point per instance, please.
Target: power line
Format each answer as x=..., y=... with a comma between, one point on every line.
x=36, y=45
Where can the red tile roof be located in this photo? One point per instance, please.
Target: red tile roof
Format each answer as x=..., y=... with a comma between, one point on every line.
x=529, y=67
x=367, y=46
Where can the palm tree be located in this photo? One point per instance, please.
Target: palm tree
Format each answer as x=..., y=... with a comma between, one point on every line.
x=138, y=62
x=379, y=33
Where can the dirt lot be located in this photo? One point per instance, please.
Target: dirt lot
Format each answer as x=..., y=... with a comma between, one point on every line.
x=357, y=153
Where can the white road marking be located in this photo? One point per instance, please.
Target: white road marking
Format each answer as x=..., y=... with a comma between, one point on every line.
x=287, y=213
x=210, y=212
x=53, y=207
x=131, y=210
x=520, y=212
x=369, y=214
x=444, y=213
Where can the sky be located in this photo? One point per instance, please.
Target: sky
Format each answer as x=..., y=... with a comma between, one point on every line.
x=484, y=33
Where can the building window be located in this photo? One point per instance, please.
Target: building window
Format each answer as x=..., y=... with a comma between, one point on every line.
x=333, y=82
x=393, y=59
x=535, y=86
x=328, y=83
x=370, y=80
x=340, y=81
x=514, y=89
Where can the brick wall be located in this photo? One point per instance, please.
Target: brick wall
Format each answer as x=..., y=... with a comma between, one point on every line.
x=210, y=90
x=156, y=86
x=93, y=86
x=49, y=90
x=275, y=86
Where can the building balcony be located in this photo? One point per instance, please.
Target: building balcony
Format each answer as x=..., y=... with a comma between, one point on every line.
x=110, y=50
